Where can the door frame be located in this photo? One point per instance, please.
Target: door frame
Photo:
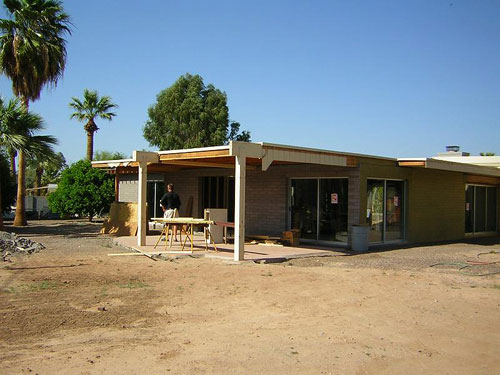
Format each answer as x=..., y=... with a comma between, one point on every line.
x=403, y=217
x=483, y=233
x=289, y=218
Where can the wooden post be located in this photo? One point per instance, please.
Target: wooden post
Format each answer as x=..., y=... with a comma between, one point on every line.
x=117, y=183
x=239, y=208
x=141, y=204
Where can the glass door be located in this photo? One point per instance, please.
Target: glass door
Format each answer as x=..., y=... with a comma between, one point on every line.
x=155, y=190
x=319, y=208
x=481, y=208
x=304, y=203
x=385, y=210
x=333, y=209
x=375, y=210
x=394, y=210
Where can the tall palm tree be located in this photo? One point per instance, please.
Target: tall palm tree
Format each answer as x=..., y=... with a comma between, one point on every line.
x=17, y=130
x=88, y=110
x=32, y=55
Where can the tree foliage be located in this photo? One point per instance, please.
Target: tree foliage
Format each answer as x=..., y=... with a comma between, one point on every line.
x=487, y=154
x=32, y=45
x=189, y=114
x=109, y=155
x=7, y=184
x=87, y=110
x=82, y=190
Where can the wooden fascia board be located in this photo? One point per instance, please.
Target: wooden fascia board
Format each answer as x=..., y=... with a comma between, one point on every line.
x=411, y=163
x=195, y=155
x=201, y=164
x=474, y=179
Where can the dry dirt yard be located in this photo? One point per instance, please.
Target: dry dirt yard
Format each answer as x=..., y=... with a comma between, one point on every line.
x=71, y=309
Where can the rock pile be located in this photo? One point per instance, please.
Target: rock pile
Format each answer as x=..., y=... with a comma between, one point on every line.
x=11, y=244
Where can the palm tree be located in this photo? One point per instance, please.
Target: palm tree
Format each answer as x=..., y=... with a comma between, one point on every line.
x=87, y=111
x=32, y=55
x=17, y=130
x=46, y=168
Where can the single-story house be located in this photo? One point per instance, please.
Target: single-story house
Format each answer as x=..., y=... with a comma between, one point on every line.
x=270, y=188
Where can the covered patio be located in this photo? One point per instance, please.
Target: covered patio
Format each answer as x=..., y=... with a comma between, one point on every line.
x=238, y=156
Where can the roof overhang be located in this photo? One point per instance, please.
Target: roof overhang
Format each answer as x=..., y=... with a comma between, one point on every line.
x=446, y=165
x=259, y=155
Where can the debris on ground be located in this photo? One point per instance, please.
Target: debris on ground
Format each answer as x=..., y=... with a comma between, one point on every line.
x=11, y=244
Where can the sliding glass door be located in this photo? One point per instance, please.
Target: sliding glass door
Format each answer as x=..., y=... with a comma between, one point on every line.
x=385, y=210
x=480, y=208
x=319, y=208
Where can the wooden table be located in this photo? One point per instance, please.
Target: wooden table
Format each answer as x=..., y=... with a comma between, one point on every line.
x=186, y=225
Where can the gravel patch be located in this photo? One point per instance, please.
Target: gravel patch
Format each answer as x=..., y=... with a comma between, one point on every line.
x=11, y=244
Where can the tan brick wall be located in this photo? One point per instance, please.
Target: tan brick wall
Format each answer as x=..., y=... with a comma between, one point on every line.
x=436, y=206
x=435, y=200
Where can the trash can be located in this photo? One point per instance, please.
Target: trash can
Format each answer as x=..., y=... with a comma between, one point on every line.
x=359, y=241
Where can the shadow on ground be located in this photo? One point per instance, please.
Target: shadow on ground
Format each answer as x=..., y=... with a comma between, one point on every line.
x=73, y=228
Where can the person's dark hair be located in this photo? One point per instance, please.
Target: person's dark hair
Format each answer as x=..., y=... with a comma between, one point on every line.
x=170, y=186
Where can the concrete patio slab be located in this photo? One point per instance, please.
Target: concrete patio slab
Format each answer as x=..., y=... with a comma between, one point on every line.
x=253, y=252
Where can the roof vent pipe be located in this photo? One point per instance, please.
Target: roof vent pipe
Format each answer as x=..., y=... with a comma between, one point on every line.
x=452, y=148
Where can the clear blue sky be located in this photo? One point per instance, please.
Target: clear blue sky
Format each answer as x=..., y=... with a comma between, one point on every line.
x=391, y=78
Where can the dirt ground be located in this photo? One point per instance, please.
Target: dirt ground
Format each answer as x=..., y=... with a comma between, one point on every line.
x=71, y=309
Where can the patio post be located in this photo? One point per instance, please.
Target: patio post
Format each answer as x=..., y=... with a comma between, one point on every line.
x=239, y=208
x=141, y=204
x=143, y=158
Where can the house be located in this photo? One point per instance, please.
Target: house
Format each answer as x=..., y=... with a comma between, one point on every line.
x=269, y=188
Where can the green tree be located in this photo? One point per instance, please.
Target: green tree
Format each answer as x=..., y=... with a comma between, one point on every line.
x=487, y=154
x=189, y=114
x=108, y=155
x=88, y=110
x=83, y=190
x=32, y=55
x=17, y=131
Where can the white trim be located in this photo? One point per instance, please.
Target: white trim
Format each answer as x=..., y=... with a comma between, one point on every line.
x=337, y=153
x=95, y=162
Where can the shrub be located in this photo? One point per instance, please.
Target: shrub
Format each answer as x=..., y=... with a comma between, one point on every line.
x=83, y=190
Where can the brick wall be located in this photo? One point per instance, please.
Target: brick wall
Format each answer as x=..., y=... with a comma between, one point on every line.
x=267, y=195
x=436, y=206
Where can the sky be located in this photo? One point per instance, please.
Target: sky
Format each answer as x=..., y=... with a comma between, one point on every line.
x=388, y=78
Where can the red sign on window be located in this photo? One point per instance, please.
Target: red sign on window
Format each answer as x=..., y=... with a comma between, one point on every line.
x=335, y=198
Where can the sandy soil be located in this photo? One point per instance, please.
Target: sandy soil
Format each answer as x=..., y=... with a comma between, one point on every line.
x=71, y=309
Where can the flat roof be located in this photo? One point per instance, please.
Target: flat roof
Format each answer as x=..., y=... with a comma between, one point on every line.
x=263, y=153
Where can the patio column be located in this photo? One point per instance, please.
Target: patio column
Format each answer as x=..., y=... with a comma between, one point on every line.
x=141, y=204
x=142, y=158
x=239, y=208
